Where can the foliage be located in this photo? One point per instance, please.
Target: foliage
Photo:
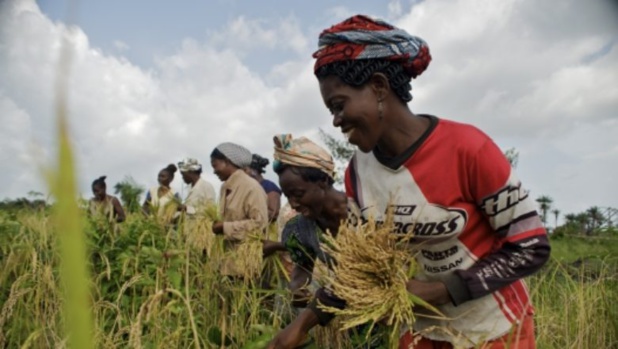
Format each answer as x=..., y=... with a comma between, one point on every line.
x=545, y=205
x=512, y=155
x=342, y=152
x=130, y=193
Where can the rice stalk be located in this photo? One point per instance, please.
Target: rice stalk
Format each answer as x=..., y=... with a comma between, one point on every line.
x=248, y=257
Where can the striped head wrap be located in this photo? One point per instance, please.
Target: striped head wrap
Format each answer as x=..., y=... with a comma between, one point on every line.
x=302, y=152
x=237, y=154
x=362, y=37
x=189, y=164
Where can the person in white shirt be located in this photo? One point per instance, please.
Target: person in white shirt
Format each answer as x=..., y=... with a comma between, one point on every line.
x=201, y=193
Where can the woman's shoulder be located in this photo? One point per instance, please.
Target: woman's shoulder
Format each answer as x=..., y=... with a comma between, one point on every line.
x=269, y=186
x=298, y=226
x=460, y=133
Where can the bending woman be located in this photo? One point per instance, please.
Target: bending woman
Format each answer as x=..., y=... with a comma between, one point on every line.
x=477, y=230
x=306, y=174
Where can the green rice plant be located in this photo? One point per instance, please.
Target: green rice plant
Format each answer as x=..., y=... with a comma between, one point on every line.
x=72, y=245
x=574, y=308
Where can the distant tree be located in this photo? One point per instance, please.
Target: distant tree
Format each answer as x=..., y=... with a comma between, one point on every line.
x=583, y=222
x=596, y=217
x=570, y=218
x=544, y=204
x=556, y=213
x=35, y=194
x=341, y=151
x=513, y=156
x=130, y=193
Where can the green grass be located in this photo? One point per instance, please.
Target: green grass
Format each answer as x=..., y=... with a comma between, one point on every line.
x=571, y=248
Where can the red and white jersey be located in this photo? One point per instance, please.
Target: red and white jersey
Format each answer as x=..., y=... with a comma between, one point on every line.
x=476, y=229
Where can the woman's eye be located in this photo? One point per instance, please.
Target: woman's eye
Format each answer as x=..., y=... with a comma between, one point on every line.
x=336, y=109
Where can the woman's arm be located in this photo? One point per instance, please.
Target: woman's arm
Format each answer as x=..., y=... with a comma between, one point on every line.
x=118, y=210
x=274, y=203
x=296, y=332
x=301, y=278
x=521, y=246
x=146, y=205
x=256, y=218
x=269, y=247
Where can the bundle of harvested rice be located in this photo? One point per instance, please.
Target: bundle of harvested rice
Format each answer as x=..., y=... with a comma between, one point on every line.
x=212, y=213
x=199, y=235
x=372, y=268
x=198, y=229
x=248, y=257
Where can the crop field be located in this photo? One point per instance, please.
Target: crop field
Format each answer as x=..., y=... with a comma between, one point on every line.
x=152, y=286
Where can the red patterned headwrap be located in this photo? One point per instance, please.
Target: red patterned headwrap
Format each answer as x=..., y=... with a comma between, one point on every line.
x=362, y=37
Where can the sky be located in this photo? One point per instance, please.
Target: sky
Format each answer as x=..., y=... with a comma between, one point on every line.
x=153, y=82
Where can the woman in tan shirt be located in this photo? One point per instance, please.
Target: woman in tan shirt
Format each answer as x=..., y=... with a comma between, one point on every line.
x=242, y=201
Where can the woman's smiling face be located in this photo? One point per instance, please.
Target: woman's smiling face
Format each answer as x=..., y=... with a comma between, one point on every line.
x=354, y=110
x=305, y=197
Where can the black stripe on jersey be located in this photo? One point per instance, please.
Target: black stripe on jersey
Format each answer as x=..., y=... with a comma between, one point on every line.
x=503, y=230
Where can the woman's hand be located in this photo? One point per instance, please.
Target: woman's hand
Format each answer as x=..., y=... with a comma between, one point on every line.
x=432, y=292
x=269, y=247
x=217, y=228
x=301, y=297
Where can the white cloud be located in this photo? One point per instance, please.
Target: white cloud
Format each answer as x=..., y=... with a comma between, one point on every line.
x=243, y=35
x=121, y=45
x=522, y=71
x=536, y=75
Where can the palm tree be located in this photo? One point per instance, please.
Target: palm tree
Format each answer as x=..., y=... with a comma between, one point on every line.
x=556, y=213
x=570, y=218
x=583, y=221
x=130, y=193
x=596, y=217
x=544, y=204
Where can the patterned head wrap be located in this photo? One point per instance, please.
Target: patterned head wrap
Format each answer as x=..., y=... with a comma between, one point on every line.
x=362, y=37
x=189, y=164
x=302, y=152
x=237, y=154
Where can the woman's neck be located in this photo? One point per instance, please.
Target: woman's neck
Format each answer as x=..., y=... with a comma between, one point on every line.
x=334, y=210
x=404, y=130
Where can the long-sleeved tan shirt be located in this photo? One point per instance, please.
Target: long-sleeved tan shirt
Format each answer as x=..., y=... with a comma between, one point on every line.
x=244, y=210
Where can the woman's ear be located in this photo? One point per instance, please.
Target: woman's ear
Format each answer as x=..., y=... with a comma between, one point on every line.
x=380, y=86
x=323, y=184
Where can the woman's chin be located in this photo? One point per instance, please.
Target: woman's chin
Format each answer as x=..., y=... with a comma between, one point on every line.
x=360, y=143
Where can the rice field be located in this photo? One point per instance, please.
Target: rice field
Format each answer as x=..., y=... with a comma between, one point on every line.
x=151, y=286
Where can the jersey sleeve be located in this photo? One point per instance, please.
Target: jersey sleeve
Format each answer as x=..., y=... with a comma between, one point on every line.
x=521, y=246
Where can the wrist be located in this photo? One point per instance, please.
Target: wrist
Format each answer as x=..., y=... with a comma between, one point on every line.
x=307, y=320
x=432, y=292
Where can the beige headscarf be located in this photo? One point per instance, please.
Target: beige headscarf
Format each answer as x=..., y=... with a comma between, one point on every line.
x=302, y=152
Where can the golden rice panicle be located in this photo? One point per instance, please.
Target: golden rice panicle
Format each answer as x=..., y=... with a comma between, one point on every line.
x=199, y=235
x=248, y=256
x=371, y=271
x=212, y=213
